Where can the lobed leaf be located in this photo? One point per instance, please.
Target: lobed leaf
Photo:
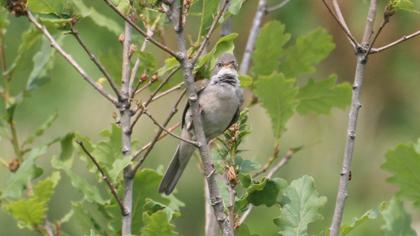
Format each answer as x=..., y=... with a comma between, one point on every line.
x=279, y=106
x=397, y=220
x=404, y=164
x=269, y=48
x=308, y=50
x=301, y=206
x=321, y=96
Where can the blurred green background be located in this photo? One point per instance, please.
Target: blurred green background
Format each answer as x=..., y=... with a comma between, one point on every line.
x=390, y=115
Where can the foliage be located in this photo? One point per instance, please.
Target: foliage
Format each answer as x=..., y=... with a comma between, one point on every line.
x=404, y=163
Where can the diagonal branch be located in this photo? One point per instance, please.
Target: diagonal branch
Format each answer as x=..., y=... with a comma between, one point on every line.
x=249, y=48
x=92, y=57
x=142, y=32
x=278, y=6
x=396, y=42
x=104, y=177
x=169, y=132
x=203, y=44
x=70, y=59
x=340, y=20
x=139, y=112
x=158, y=134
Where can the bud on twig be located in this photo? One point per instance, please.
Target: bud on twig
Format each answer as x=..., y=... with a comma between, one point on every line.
x=14, y=165
x=121, y=38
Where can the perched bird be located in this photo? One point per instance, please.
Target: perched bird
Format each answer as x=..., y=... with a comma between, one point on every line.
x=219, y=103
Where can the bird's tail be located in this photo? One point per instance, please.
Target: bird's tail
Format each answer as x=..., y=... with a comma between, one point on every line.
x=176, y=168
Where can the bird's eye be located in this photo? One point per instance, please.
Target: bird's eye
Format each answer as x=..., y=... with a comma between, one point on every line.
x=219, y=64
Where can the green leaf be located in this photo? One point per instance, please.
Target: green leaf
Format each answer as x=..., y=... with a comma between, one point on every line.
x=265, y=192
x=269, y=48
x=43, y=63
x=56, y=7
x=357, y=221
x=117, y=168
x=65, y=161
x=244, y=231
x=31, y=212
x=27, y=171
x=108, y=150
x=158, y=224
x=98, y=18
x=404, y=164
x=28, y=212
x=246, y=81
x=321, y=96
x=146, y=184
x=29, y=38
x=397, y=220
x=301, y=206
x=245, y=165
x=40, y=131
x=44, y=189
x=308, y=51
x=4, y=20
x=207, y=62
x=235, y=6
x=208, y=11
x=278, y=96
x=405, y=5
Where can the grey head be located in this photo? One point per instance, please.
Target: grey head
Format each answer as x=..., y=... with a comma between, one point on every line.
x=225, y=70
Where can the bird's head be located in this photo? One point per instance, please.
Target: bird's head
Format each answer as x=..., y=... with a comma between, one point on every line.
x=225, y=70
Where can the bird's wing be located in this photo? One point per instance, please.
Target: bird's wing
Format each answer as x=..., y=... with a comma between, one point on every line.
x=199, y=87
x=238, y=111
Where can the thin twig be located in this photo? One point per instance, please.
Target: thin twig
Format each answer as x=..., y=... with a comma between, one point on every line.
x=252, y=37
x=384, y=22
x=352, y=124
x=169, y=132
x=92, y=57
x=396, y=42
x=160, y=137
x=104, y=177
x=158, y=134
x=340, y=20
x=203, y=44
x=138, y=29
x=278, y=6
x=267, y=165
x=269, y=175
x=173, y=89
x=139, y=111
x=70, y=59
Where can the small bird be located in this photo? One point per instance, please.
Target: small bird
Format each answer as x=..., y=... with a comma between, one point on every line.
x=219, y=103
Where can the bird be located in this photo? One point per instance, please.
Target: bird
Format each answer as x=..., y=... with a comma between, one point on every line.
x=220, y=101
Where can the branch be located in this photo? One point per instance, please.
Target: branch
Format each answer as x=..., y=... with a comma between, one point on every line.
x=278, y=6
x=169, y=132
x=203, y=44
x=125, y=122
x=158, y=137
x=139, y=112
x=352, y=124
x=209, y=171
x=162, y=94
x=396, y=42
x=92, y=57
x=158, y=134
x=341, y=22
x=249, y=48
x=70, y=59
x=269, y=175
x=138, y=29
x=104, y=177
x=274, y=157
